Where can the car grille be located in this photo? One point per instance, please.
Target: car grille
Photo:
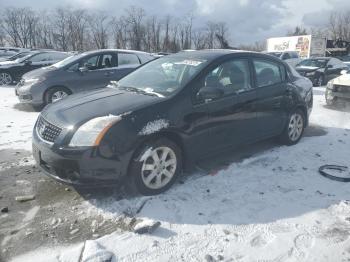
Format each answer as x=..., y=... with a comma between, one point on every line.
x=341, y=88
x=47, y=131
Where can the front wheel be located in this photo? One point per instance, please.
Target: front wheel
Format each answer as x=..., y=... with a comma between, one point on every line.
x=156, y=167
x=294, y=128
x=55, y=94
x=5, y=78
x=320, y=80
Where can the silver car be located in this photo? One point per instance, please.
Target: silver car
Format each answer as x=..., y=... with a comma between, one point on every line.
x=77, y=73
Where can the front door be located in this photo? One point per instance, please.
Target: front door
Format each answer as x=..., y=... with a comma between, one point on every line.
x=232, y=117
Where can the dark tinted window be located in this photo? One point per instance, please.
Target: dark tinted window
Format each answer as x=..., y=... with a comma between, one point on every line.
x=267, y=73
x=109, y=60
x=286, y=56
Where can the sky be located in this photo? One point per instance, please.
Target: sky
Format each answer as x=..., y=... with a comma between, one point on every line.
x=248, y=20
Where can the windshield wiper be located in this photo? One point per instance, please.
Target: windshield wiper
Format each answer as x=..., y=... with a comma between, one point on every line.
x=140, y=91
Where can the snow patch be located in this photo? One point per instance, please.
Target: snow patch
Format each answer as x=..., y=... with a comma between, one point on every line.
x=154, y=126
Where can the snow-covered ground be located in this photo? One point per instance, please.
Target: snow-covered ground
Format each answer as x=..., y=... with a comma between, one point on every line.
x=273, y=206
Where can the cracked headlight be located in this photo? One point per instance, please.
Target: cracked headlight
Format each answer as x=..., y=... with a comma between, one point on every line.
x=92, y=132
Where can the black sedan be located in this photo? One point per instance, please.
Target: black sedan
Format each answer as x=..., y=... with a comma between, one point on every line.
x=12, y=71
x=167, y=114
x=322, y=69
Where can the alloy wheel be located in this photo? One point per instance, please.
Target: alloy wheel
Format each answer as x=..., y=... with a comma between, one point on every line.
x=158, y=167
x=58, y=95
x=295, y=127
x=5, y=79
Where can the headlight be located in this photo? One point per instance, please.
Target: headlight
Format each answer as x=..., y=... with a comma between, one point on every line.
x=32, y=81
x=330, y=85
x=92, y=132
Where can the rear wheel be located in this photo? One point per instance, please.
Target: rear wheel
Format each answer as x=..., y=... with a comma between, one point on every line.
x=5, y=78
x=294, y=128
x=55, y=94
x=156, y=168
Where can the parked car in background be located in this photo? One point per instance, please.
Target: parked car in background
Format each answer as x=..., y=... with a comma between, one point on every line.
x=346, y=60
x=12, y=71
x=15, y=56
x=169, y=113
x=338, y=89
x=81, y=72
x=290, y=57
x=321, y=69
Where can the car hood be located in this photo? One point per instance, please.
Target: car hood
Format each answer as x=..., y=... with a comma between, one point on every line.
x=342, y=80
x=78, y=109
x=39, y=72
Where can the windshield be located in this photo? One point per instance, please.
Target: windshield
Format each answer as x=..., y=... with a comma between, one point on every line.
x=68, y=60
x=314, y=63
x=277, y=54
x=19, y=60
x=163, y=76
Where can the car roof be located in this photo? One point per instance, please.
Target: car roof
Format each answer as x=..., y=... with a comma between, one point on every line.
x=320, y=57
x=116, y=50
x=212, y=54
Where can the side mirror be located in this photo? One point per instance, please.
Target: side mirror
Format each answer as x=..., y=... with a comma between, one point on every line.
x=208, y=93
x=27, y=62
x=344, y=72
x=83, y=69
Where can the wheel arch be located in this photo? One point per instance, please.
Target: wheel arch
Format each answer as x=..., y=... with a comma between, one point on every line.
x=170, y=135
x=56, y=86
x=303, y=109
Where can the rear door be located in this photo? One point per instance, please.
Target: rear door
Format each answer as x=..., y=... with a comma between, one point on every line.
x=272, y=91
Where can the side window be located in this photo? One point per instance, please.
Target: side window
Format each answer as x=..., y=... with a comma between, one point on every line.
x=295, y=55
x=231, y=77
x=91, y=63
x=285, y=56
x=109, y=60
x=267, y=73
x=40, y=58
x=127, y=59
x=145, y=58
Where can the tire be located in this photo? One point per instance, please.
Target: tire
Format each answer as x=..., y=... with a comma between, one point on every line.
x=55, y=94
x=319, y=80
x=5, y=78
x=151, y=172
x=294, y=129
x=330, y=100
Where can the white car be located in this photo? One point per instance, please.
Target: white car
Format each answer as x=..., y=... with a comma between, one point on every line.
x=338, y=88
